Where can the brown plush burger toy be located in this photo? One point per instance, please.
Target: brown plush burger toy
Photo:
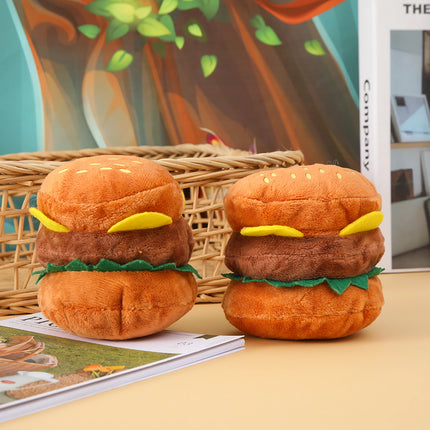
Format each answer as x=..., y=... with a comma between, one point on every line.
x=115, y=248
x=303, y=250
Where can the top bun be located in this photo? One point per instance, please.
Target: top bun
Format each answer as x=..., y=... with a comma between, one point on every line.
x=94, y=193
x=316, y=200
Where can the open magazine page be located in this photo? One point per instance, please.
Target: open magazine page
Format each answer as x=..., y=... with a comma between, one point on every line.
x=394, y=63
x=42, y=366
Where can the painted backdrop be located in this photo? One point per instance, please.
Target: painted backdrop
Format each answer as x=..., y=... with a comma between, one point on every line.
x=250, y=73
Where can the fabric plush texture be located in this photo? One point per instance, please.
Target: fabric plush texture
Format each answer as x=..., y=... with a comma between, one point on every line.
x=288, y=258
x=300, y=312
x=169, y=244
x=95, y=195
x=115, y=246
x=316, y=200
x=303, y=252
x=116, y=305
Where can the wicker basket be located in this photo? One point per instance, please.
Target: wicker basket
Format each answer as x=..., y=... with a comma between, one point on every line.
x=204, y=172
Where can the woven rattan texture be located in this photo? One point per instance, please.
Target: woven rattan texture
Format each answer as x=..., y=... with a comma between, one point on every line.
x=204, y=172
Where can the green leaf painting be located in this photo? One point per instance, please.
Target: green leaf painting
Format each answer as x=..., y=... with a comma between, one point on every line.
x=267, y=36
x=167, y=6
x=116, y=29
x=142, y=12
x=120, y=60
x=152, y=27
x=167, y=21
x=89, y=30
x=188, y=4
x=209, y=8
x=179, y=41
x=195, y=30
x=257, y=21
x=122, y=12
x=127, y=16
x=208, y=63
x=98, y=7
x=314, y=47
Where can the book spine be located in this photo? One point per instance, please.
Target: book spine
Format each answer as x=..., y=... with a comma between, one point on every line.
x=367, y=79
x=374, y=80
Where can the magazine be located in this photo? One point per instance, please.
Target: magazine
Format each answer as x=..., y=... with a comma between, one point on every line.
x=394, y=59
x=42, y=366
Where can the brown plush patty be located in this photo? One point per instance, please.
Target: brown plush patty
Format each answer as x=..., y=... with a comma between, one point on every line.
x=171, y=243
x=288, y=259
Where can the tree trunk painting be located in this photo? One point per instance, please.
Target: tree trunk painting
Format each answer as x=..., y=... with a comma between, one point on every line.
x=280, y=90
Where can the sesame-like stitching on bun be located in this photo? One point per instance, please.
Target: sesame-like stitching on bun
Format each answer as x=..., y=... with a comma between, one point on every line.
x=136, y=174
x=306, y=199
x=101, y=216
x=44, y=195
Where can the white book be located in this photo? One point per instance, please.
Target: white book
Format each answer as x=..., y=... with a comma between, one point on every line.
x=41, y=366
x=394, y=61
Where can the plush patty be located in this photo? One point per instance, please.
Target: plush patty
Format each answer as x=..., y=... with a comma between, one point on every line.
x=290, y=258
x=173, y=243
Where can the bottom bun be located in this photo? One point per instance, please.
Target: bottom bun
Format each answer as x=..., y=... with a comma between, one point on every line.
x=116, y=305
x=295, y=313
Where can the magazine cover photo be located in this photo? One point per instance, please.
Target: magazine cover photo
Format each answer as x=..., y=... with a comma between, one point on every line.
x=33, y=364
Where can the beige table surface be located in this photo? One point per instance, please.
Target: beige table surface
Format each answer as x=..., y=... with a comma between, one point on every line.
x=378, y=378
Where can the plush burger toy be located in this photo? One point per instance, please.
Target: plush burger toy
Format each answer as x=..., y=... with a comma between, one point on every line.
x=115, y=248
x=303, y=252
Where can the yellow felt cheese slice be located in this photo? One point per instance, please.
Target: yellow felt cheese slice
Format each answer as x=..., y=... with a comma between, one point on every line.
x=141, y=221
x=49, y=223
x=367, y=222
x=266, y=230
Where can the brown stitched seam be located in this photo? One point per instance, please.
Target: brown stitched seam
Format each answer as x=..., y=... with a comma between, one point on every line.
x=252, y=199
x=120, y=308
x=305, y=254
x=310, y=316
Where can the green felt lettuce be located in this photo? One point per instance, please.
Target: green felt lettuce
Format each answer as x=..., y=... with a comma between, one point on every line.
x=337, y=285
x=110, y=266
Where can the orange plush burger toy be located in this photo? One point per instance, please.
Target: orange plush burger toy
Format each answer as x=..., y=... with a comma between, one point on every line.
x=115, y=248
x=303, y=252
